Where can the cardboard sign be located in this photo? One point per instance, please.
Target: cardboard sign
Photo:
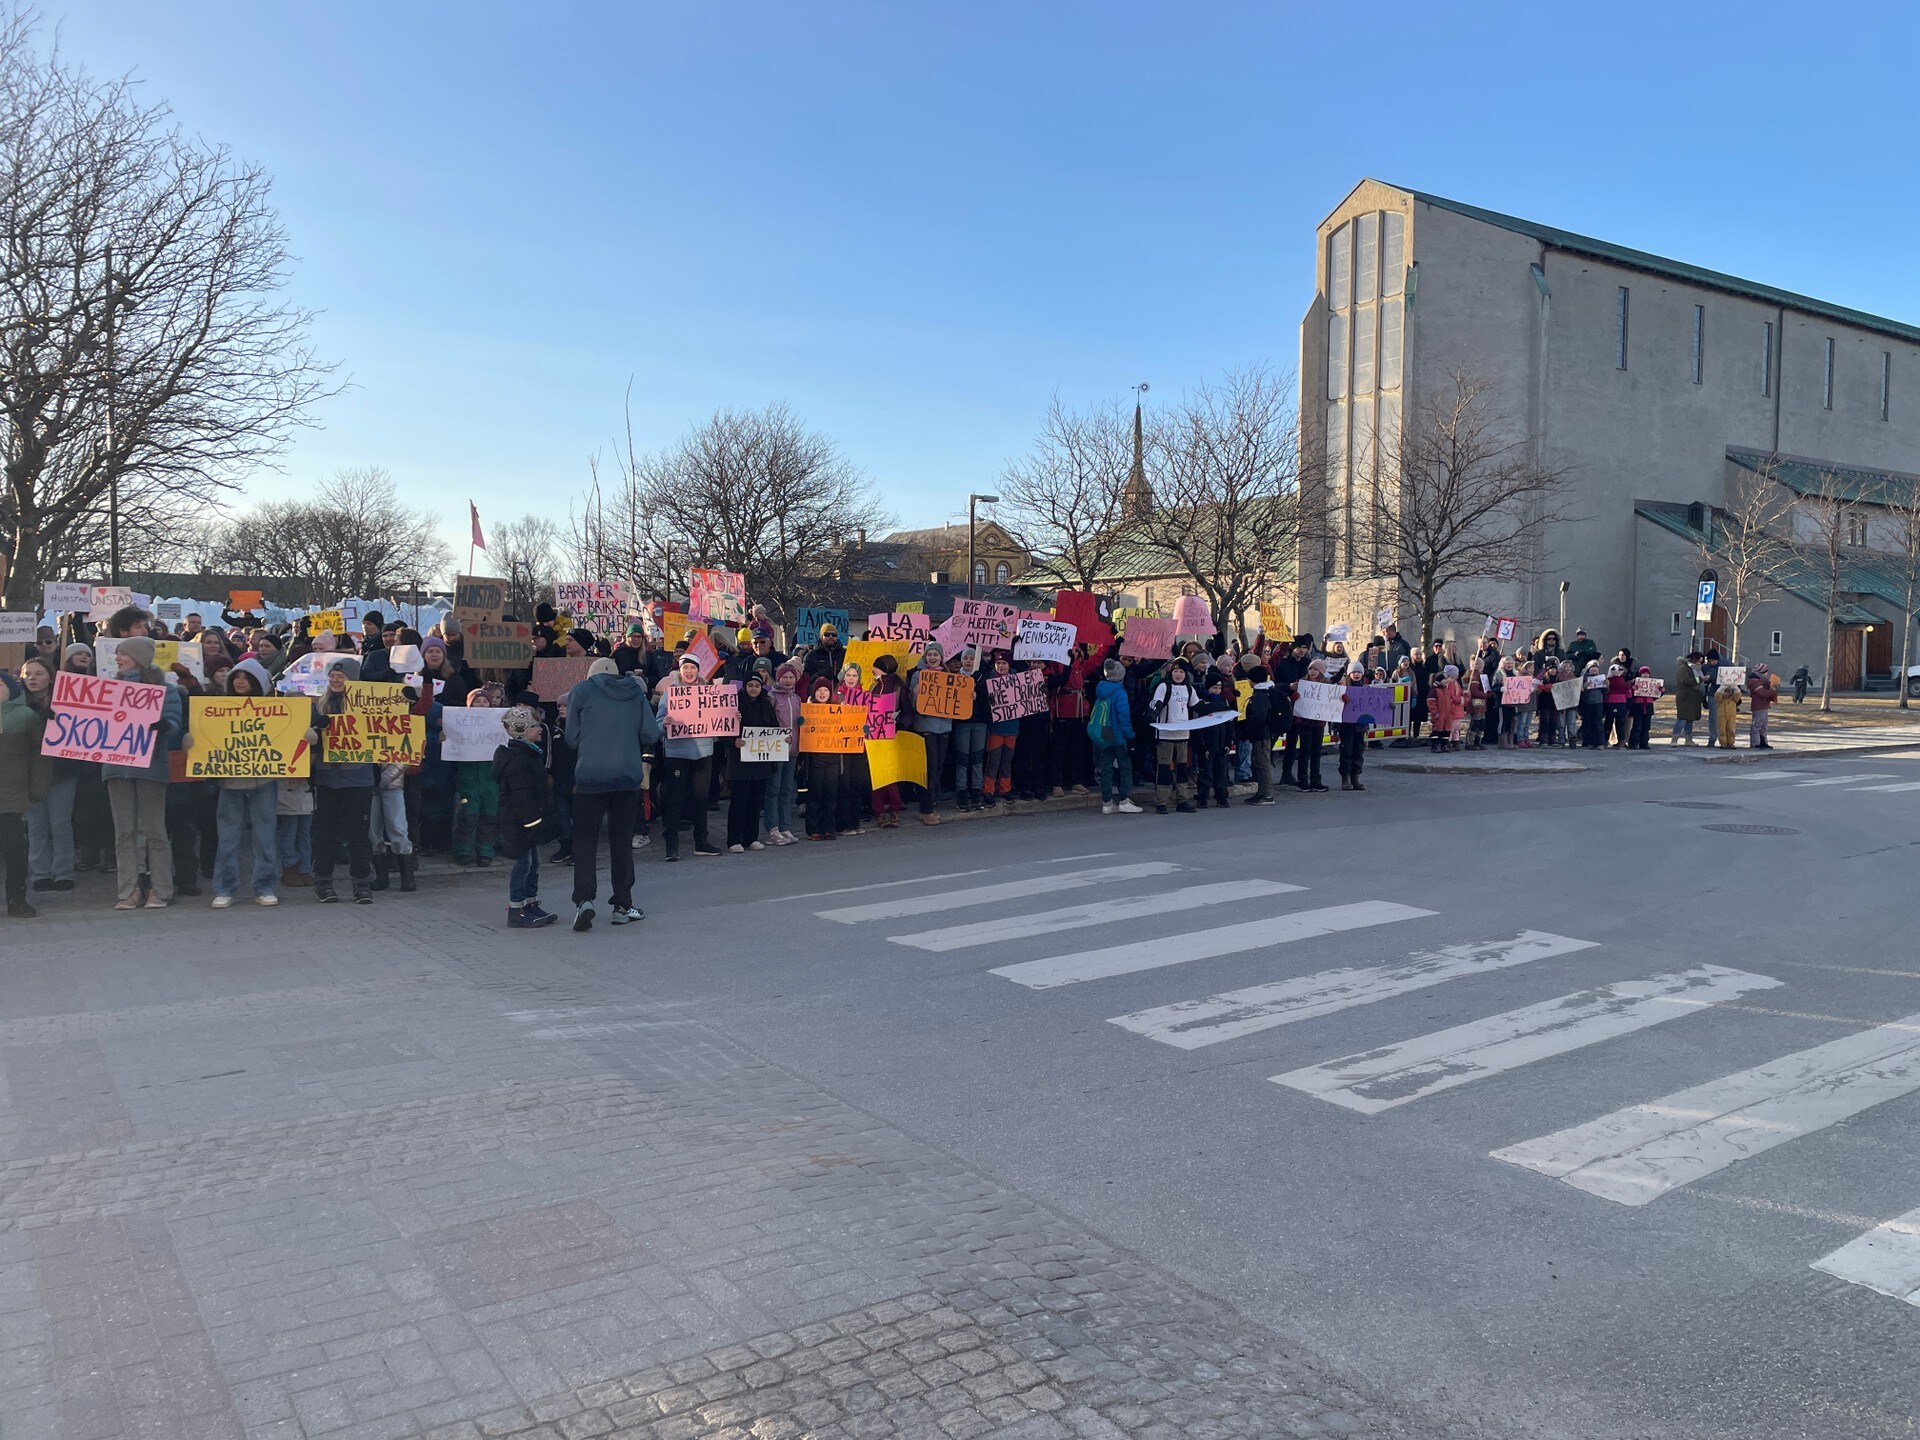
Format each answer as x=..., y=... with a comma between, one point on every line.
x=18, y=627
x=705, y=656
x=1516, y=689
x=554, y=677
x=238, y=737
x=242, y=602
x=1273, y=623
x=376, y=727
x=883, y=716
x=478, y=597
x=675, y=627
x=1501, y=627
x=1383, y=617
x=1320, y=701
x=468, y=735
x=1368, y=704
x=717, y=596
x=499, y=644
x=1191, y=616
x=190, y=653
x=1337, y=634
x=812, y=617
x=902, y=626
x=602, y=602
x=103, y=600
x=1593, y=682
x=168, y=610
x=900, y=757
x=326, y=622
x=864, y=652
x=1021, y=693
x=64, y=597
x=944, y=696
x=1044, y=640
x=1645, y=687
x=1566, y=694
x=1148, y=637
x=833, y=729
x=982, y=623
x=765, y=742
x=1242, y=693
x=1734, y=675
x=702, y=712
x=110, y=721
x=1084, y=610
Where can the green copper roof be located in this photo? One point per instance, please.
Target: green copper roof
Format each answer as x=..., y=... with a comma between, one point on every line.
x=1660, y=265
x=1804, y=477
x=1862, y=572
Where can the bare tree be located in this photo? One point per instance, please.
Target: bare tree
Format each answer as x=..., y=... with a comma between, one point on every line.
x=1227, y=496
x=1827, y=512
x=142, y=339
x=523, y=554
x=1468, y=500
x=1064, y=500
x=1750, y=544
x=354, y=538
x=1902, y=501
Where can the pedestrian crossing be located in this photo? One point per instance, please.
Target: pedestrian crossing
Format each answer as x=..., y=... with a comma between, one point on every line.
x=1165, y=925
x=1807, y=780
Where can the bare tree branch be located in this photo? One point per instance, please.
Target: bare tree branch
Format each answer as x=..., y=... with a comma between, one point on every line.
x=354, y=538
x=1063, y=501
x=1750, y=545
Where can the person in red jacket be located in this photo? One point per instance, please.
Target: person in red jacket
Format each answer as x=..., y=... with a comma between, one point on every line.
x=1762, y=691
x=1068, y=755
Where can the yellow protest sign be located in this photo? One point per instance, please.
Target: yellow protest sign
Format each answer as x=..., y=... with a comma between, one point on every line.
x=864, y=652
x=321, y=621
x=376, y=728
x=904, y=757
x=911, y=607
x=675, y=627
x=242, y=737
x=1242, y=692
x=834, y=730
x=1273, y=623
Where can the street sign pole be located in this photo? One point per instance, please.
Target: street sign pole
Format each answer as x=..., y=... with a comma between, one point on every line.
x=1703, y=607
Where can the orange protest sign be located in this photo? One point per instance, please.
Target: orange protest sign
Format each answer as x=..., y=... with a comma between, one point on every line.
x=833, y=729
x=944, y=696
x=242, y=601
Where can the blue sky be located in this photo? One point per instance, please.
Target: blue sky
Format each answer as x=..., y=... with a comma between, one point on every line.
x=915, y=222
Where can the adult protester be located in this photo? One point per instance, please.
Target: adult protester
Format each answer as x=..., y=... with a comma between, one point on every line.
x=138, y=794
x=342, y=800
x=610, y=726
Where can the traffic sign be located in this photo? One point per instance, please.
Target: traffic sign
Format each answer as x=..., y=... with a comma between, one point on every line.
x=1704, y=610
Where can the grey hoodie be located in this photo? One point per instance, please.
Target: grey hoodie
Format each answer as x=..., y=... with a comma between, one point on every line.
x=610, y=726
x=261, y=679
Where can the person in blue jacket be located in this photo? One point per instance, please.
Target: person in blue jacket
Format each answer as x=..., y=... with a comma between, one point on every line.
x=610, y=726
x=1110, y=733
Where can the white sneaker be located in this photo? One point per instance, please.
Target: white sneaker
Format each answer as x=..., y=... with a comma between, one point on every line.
x=642, y=840
x=266, y=899
x=1127, y=807
x=1106, y=807
x=736, y=849
x=222, y=902
x=756, y=845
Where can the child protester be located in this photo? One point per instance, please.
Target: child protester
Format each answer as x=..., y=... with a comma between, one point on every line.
x=1110, y=733
x=1212, y=766
x=523, y=792
x=750, y=776
x=476, y=798
x=823, y=772
x=249, y=812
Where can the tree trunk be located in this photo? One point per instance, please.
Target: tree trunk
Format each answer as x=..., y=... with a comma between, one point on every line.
x=1826, y=680
x=1906, y=643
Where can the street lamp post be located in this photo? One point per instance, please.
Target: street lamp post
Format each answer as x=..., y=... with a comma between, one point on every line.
x=971, y=501
x=115, y=301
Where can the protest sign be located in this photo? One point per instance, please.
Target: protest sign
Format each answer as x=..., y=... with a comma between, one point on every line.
x=376, y=727
x=1319, y=701
x=305, y=676
x=702, y=712
x=1734, y=675
x=1367, y=704
x=1242, y=693
x=601, y=602
x=470, y=734
x=168, y=610
x=717, y=596
x=883, y=716
x=765, y=742
x=675, y=627
x=896, y=758
x=190, y=653
x=1516, y=689
x=1383, y=617
x=1645, y=687
x=864, y=652
x=1273, y=623
x=1337, y=634
x=1191, y=616
x=326, y=621
x=17, y=627
x=103, y=600
x=238, y=737
x=911, y=607
x=1178, y=729
x=1566, y=694
x=944, y=696
x=1593, y=682
x=1082, y=609
x=1148, y=637
x=833, y=729
x=812, y=617
x=705, y=656
x=1044, y=640
x=478, y=597
x=406, y=660
x=1500, y=627
x=982, y=623
x=1021, y=693
x=243, y=602
x=499, y=644
x=62, y=597
x=553, y=678
x=111, y=721
x=903, y=626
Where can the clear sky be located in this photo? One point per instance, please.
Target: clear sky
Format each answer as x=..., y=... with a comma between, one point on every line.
x=916, y=221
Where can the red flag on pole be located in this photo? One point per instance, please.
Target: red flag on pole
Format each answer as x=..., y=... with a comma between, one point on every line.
x=479, y=540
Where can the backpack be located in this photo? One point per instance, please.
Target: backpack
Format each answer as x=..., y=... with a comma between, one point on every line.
x=1102, y=733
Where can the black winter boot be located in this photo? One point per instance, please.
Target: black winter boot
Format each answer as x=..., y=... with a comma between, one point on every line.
x=382, y=870
x=407, y=883
x=323, y=892
x=362, y=893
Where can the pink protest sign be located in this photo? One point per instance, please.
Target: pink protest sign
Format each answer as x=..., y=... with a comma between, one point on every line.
x=110, y=721
x=1016, y=695
x=1516, y=690
x=1191, y=616
x=1148, y=637
x=701, y=712
x=883, y=716
x=983, y=623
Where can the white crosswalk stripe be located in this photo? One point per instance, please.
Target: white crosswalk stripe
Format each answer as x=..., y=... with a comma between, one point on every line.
x=1191, y=1024
x=1768, y=774
x=1380, y=1079
x=1099, y=912
x=1841, y=780
x=1638, y=1154
x=1886, y=789
x=1885, y=1259
x=958, y=897
x=1190, y=945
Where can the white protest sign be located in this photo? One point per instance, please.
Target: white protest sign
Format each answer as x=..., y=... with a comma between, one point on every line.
x=1320, y=701
x=59, y=597
x=405, y=660
x=1335, y=634
x=103, y=600
x=1734, y=675
x=1566, y=694
x=765, y=742
x=1044, y=640
x=1206, y=722
x=470, y=734
x=17, y=627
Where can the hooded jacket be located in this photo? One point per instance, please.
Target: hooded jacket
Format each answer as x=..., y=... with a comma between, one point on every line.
x=520, y=772
x=331, y=775
x=610, y=726
x=1115, y=691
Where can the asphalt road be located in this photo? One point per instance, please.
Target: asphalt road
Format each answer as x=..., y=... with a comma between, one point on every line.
x=1593, y=1207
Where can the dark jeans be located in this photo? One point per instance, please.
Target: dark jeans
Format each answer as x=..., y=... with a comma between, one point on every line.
x=1642, y=723
x=616, y=808
x=683, y=795
x=193, y=829
x=743, y=807
x=1212, y=769
x=1067, y=758
x=13, y=855
x=936, y=762
x=1114, y=767
x=823, y=792
x=1591, y=733
x=1353, y=750
x=340, y=817
x=1308, y=734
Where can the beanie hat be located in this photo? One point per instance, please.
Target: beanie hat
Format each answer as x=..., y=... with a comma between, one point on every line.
x=1258, y=674
x=518, y=720
x=585, y=637
x=1114, y=670
x=139, y=649
x=1450, y=672
x=745, y=636
x=67, y=654
x=602, y=666
x=348, y=666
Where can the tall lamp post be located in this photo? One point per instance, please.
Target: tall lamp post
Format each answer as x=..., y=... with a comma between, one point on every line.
x=116, y=300
x=971, y=521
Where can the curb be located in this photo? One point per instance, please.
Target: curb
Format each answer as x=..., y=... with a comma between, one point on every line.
x=1419, y=767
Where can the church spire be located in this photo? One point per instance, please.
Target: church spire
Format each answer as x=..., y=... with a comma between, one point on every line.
x=1137, y=499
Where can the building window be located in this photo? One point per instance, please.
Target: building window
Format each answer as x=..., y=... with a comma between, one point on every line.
x=1393, y=254
x=1774, y=645
x=1388, y=442
x=1363, y=325
x=1336, y=356
x=1766, y=358
x=1366, y=259
x=1673, y=626
x=1620, y=329
x=1827, y=385
x=1886, y=383
x=1393, y=320
x=1000, y=573
x=1856, y=529
x=1699, y=343
x=1340, y=269
x=980, y=572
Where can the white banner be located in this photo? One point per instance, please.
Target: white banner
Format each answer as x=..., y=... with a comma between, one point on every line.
x=1320, y=702
x=17, y=627
x=1205, y=722
x=1044, y=640
x=765, y=742
x=470, y=734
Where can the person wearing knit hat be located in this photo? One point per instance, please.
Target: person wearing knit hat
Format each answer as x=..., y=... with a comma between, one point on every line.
x=526, y=792
x=342, y=798
x=602, y=665
x=138, y=794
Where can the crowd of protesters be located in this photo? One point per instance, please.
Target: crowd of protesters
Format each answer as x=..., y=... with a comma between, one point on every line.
x=595, y=769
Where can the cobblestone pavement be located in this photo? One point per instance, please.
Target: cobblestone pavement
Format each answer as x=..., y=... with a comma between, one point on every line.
x=366, y=1174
